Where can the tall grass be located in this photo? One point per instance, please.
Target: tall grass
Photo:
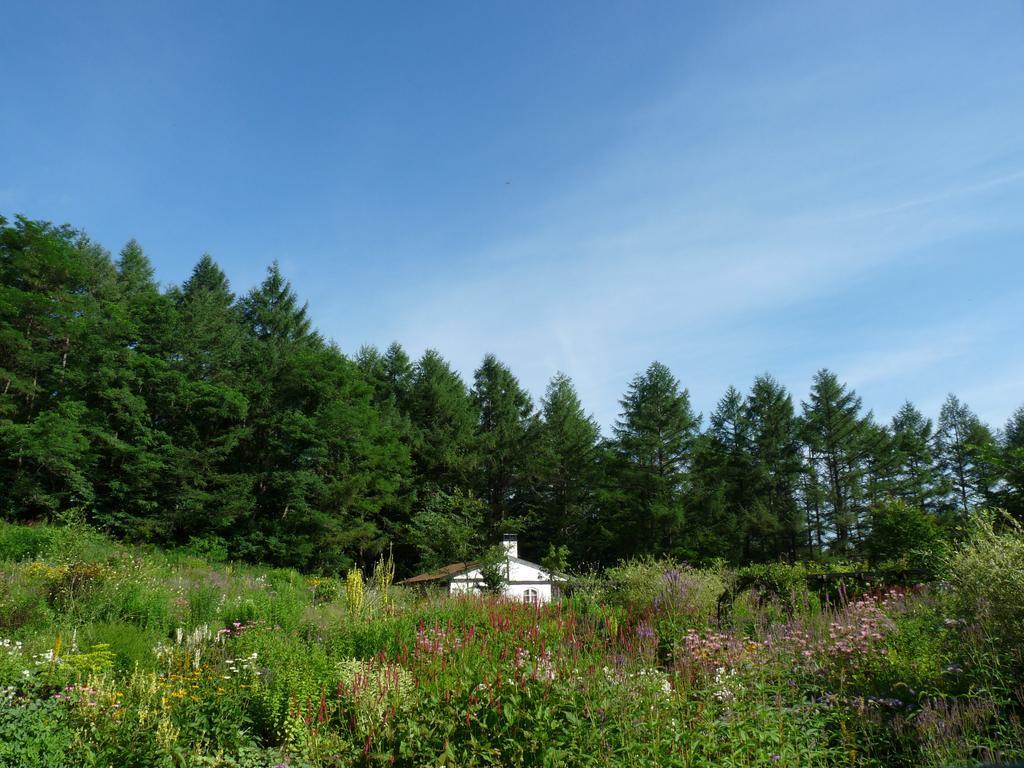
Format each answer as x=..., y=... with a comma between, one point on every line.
x=117, y=656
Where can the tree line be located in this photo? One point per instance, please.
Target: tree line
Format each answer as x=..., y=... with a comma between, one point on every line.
x=194, y=416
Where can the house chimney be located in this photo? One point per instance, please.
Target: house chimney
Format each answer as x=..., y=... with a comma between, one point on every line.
x=510, y=545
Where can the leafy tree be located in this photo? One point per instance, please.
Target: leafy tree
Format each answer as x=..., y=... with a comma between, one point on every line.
x=447, y=528
x=902, y=534
x=494, y=570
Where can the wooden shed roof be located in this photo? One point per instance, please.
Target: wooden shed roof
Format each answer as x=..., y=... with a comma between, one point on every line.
x=441, y=574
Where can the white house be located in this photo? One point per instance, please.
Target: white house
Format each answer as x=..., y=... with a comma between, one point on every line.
x=524, y=580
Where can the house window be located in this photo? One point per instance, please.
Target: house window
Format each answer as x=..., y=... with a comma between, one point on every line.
x=530, y=596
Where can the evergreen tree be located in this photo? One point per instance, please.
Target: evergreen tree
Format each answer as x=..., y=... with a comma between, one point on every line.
x=565, y=460
x=964, y=448
x=328, y=473
x=504, y=433
x=775, y=449
x=719, y=523
x=126, y=388
x=204, y=409
x=48, y=310
x=652, y=449
x=1011, y=460
x=880, y=463
x=390, y=374
x=915, y=475
x=170, y=415
x=834, y=432
x=444, y=419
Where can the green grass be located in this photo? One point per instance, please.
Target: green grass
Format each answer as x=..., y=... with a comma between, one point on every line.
x=117, y=656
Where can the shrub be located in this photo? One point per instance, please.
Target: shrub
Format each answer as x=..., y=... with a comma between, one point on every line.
x=23, y=542
x=35, y=734
x=130, y=645
x=23, y=601
x=986, y=573
x=904, y=536
x=635, y=583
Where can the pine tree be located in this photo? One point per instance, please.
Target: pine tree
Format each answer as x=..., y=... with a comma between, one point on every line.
x=775, y=447
x=390, y=374
x=204, y=409
x=565, y=461
x=915, y=475
x=504, y=434
x=48, y=313
x=964, y=448
x=444, y=419
x=128, y=381
x=329, y=474
x=1011, y=460
x=834, y=432
x=653, y=441
x=720, y=523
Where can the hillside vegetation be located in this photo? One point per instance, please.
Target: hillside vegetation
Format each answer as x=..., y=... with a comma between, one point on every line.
x=118, y=656
x=189, y=414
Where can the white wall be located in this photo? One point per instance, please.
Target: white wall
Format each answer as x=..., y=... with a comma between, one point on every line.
x=520, y=577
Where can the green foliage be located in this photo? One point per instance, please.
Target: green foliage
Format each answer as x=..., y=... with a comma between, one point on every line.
x=22, y=542
x=556, y=560
x=193, y=417
x=565, y=470
x=902, y=535
x=651, y=457
x=632, y=669
x=837, y=436
x=505, y=433
x=986, y=572
x=446, y=529
x=493, y=565
x=35, y=734
x=125, y=645
x=787, y=583
x=645, y=584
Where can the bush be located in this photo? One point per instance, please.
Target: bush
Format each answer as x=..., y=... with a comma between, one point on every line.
x=23, y=602
x=986, y=573
x=23, y=542
x=35, y=734
x=904, y=536
x=672, y=597
x=130, y=644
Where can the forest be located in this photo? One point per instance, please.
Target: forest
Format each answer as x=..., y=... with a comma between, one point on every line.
x=193, y=416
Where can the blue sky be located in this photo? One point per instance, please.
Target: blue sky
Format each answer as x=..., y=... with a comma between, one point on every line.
x=730, y=188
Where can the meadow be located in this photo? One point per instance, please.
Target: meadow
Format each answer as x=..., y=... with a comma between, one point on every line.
x=118, y=656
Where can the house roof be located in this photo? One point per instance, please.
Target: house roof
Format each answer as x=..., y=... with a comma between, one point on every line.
x=451, y=571
x=441, y=574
